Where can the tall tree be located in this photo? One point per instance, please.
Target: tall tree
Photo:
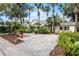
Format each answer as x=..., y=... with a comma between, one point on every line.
x=21, y=7
x=76, y=10
x=56, y=21
x=46, y=9
x=38, y=6
x=53, y=11
x=30, y=8
x=15, y=11
x=64, y=8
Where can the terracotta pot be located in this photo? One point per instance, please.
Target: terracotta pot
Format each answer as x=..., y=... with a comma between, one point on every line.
x=21, y=34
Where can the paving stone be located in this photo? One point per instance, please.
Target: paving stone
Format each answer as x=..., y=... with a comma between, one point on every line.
x=35, y=45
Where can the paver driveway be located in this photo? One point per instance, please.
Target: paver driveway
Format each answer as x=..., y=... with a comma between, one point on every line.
x=35, y=45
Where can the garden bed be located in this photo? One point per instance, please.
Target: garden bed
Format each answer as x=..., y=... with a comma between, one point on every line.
x=69, y=41
x=11, y=38
x=57, y=51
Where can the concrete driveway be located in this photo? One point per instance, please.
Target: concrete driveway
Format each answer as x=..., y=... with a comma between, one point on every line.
x=33, y=45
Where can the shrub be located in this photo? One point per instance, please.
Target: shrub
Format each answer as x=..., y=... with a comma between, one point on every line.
x=22, y=28
x=31, y=29
x=43, y=30
x=36, y=30
x=3, y=29
x=69, y=42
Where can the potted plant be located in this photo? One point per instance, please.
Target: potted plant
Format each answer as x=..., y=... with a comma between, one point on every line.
x=21, y=33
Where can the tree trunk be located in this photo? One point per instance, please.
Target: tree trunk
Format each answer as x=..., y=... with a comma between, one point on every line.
x=47, y=14
x=29, y=20
x=20, y=20
x=11, y=27
x=29, y=15
x=38, y=19
x=38, y=15
x=75, y=22
x=23, y=20
x=63, y=27
x=15, y=31
x=53, y=22
x=51, y=27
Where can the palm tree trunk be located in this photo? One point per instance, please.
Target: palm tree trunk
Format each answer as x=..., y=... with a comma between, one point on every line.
x=75, y=22
x=23, y=20
x=38, y=15
x=11, y=27
x=47, y=14
x=15, y=31
x=53, y=26
x=63, y=27
x=20, y=20
x=29, y=15
x=29, y=19
x=38, y=19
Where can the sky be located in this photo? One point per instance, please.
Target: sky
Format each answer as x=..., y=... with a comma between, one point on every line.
x=42, y=14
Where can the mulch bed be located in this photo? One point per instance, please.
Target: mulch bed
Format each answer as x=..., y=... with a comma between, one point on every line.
x=57, y=51
x=11, y=38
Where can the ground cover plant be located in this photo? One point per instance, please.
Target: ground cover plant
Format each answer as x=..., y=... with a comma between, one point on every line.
x=69, y=42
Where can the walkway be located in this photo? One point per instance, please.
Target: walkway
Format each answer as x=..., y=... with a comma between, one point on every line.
x=36, y=45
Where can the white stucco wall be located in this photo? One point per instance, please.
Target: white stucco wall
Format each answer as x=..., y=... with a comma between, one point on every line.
x=57, y=29
x=72, y=28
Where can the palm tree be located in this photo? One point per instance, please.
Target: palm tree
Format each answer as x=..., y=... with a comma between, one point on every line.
x=46, y=9
x=38, y=6
x=21, y=7
x=76, y=12
x=15, y=11
x=53, y=10
x=30, y=8
x=49, y=22
x=64, y=8
x=56, y=21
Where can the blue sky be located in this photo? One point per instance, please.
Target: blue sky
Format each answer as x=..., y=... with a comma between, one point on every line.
x=42, y=14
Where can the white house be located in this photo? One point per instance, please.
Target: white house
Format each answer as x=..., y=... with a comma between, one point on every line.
x=69, y=26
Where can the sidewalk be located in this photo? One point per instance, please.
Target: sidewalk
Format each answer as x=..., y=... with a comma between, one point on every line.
x=4, y=44
x=37, y=45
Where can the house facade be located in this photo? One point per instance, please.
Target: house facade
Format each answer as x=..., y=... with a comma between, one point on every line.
x=69, y=26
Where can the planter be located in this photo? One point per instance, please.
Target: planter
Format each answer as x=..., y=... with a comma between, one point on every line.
x=21, y=34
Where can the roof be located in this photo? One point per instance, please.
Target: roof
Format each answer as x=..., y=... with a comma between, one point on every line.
x=68, y=24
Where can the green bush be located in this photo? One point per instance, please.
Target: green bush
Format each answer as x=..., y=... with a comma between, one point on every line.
x=31, y=29
x=69, y=42
x=36, y=30
x=43, y=30
x=3, y=29
x=10, y=27
x=22, y=28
